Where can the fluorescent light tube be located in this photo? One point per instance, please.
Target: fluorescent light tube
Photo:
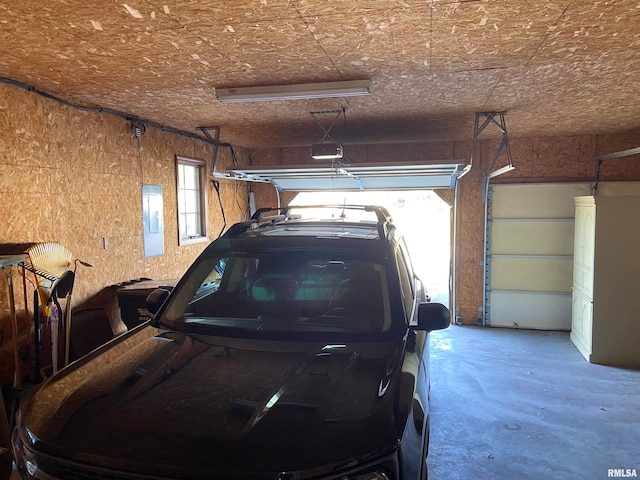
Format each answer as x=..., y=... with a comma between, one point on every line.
x=501, y=171
x=294, y=92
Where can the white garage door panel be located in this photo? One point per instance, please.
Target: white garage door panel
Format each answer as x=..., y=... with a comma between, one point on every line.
x=530, y=310
x=530, y=255
x=537, y=274
x=537, y=200
x=532, y=237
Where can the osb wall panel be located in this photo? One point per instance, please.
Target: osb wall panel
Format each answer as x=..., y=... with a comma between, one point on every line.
x=433, y=152
x=266, y=157
x=297, y=156
x=410, y=152
x=469, y=239
x=76, y=178
x=448, y=196
x=536, y=159
x=568, y=159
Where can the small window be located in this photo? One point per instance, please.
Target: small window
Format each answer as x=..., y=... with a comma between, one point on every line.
x=192, y=215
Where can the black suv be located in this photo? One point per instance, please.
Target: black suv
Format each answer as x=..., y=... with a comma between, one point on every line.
x=290, y=349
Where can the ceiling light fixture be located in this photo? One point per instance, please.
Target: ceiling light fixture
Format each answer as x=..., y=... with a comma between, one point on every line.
x=304, y=91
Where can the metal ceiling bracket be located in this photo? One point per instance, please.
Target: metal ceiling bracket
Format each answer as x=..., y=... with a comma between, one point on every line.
x=498, y=121
x=623, y=153
x=216, y=144
x=609, y=156
x=500, y=124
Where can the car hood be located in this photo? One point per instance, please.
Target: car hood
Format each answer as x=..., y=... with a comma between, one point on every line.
x=176, y=401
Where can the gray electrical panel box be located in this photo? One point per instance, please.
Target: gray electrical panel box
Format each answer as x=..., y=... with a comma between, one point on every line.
x=152, y=220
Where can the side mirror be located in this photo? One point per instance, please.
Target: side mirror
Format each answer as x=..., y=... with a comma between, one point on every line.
x=432, y=316
x=155, y=299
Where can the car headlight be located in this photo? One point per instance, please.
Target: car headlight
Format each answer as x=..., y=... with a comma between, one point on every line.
x=26, y=460
x=30, y=464
x=22, y=454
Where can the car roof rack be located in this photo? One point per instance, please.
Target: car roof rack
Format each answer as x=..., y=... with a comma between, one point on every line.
x=283, y=214
x=256, y=219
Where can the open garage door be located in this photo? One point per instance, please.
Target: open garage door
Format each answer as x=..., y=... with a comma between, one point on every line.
x=529, y=246
x=363, y=179
x=424, y=220
x=406, y=176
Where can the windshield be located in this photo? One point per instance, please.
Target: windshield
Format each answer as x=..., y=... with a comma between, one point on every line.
x=282, y=292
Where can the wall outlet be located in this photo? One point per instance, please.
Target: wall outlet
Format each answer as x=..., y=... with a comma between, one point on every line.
x=105, y=242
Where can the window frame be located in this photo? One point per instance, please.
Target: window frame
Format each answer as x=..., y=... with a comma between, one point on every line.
x=203, y=214
x=407, y=283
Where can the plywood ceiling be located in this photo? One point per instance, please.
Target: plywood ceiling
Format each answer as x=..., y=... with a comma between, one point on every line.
x=556, y=66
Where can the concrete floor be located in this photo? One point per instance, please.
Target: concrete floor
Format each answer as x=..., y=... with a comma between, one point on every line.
x=518, y=404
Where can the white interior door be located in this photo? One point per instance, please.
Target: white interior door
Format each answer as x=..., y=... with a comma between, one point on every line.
x=530, y=255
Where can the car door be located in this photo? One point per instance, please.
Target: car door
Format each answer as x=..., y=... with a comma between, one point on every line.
x=414, y=380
